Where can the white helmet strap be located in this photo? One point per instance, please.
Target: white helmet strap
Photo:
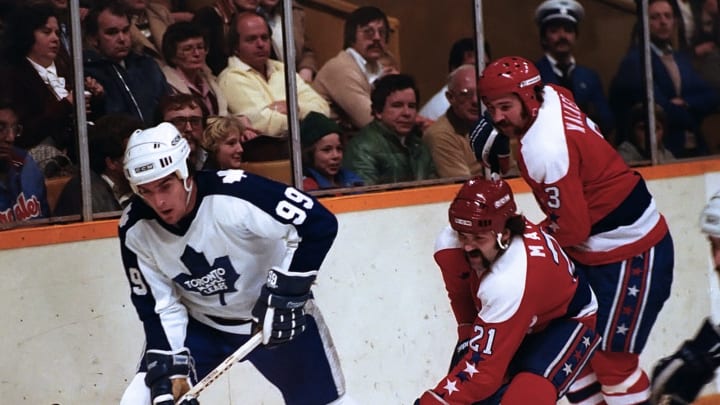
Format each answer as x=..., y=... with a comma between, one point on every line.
x=187, y=183
x=501, y=244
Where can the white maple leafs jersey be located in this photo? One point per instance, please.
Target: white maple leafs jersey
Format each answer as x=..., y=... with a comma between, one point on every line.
x=212, y=264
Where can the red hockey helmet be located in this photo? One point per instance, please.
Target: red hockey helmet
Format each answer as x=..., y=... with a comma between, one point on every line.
x=511, y=74
x=482, y=205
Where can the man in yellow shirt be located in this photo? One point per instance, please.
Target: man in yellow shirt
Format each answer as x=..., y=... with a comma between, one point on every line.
x=254, y=85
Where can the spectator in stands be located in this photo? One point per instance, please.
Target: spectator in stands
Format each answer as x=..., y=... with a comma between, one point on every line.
x=390, y=148
x=215, y=21
x=322, y=155
x=254, y=85
x=63, y=60
x=148, y=22
x=705, y=41
x=223, y=140
x=178, y=9
x=22, y=185
x=558, y=23
x=43, y=98
x=636, y=148
x=184, y=48
x=346, y=79
x=133, y=82
x=447, y=138
x=462, y=52
x=109, y=189
x=185, y=112
x=304, y=55
x=684, y=96
x=685, y=10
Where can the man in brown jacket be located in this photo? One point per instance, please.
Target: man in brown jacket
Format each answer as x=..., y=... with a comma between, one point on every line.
x=447, y=138
x=346, y=79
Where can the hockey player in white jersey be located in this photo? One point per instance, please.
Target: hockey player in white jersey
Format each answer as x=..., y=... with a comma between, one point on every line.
x=678, y=378
x=210, y=256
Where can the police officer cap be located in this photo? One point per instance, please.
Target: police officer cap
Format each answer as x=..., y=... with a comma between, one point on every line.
x=553, y=10
x=315, y=126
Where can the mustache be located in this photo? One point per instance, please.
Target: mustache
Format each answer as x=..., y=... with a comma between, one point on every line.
x=474, y=254
x=562, y=41
x=501, y=123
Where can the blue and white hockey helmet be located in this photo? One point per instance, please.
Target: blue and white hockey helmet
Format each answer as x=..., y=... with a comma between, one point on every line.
x=154, y=153
x=710, y=217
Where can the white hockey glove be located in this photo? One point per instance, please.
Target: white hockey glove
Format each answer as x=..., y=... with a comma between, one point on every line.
x=168, y=374
x=280, y=309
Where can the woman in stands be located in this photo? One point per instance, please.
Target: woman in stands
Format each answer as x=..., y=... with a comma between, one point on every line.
x=185, y=48
x=41, y=90
x=222, y=139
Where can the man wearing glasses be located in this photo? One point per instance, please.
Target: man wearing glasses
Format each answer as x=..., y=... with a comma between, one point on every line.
x=22, y=185
x=185, y=49
x=447, y=138
x=185, y=113
x=346, y=79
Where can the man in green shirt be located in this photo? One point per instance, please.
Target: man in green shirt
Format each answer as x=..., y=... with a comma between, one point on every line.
x=390, y=149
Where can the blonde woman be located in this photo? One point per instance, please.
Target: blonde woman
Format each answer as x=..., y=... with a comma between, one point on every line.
x=222, y=139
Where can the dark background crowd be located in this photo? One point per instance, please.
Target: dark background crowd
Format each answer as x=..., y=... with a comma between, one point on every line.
x=374, y=107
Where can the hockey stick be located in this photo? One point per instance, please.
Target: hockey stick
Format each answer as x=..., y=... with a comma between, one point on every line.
x=238, y=355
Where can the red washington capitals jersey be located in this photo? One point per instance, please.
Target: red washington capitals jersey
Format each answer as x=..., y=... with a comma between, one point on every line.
x=597, y=207
x=531, y=284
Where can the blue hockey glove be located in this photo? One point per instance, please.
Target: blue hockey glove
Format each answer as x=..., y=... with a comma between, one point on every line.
x=678, y=378
x=280, y=309
x=491, y=148
x=168, y=374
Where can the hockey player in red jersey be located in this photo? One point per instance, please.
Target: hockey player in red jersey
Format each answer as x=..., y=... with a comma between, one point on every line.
x=525, y=321
x=598, y=209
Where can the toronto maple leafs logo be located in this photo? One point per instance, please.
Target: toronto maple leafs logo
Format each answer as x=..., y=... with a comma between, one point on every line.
x=216, y=279
x=232, y=176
